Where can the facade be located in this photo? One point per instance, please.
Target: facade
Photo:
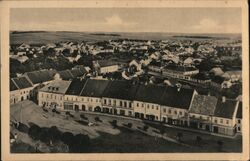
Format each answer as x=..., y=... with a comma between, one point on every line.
x=52, y=95
x=224, y=118
x=20, y=89
x=239, y=118
x=150, y=102
x=104, y=66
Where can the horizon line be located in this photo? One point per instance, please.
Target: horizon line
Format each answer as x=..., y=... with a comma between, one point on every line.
x=120, y=32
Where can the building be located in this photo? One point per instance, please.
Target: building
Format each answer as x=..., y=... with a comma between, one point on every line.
x=146, y=102
x=201, y=111
x=20, y=89
x=176, y=112
x=180, y=72
x=52, y=95
x=239, y=118
x=118, y=98
x=224, y=118
x=105, y=66
x=91, y=95
x=72, y=100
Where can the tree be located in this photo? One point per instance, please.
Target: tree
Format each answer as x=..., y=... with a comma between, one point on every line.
x=80, y=143
x=34, y=132
x=179, y=136
x=130, y=125
x=114, y=123
x=145, y=127
x=55, y=134
x=220, y=144
x=198, y=139
x=67, y=138
x=162, y=130
x=97, y=119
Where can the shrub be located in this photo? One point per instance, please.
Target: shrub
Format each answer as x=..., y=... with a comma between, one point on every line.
x=79, y=143
x=55, y=134
x=45, y=110
x=97, y=118
x=67, y=138
x=58, y=112
x=145, y=127
x=53, y=110
x=34, y=132
x=130, y=125
x=67, y=113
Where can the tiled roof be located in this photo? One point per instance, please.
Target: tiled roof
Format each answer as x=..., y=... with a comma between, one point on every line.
x=94, y=88
x=149, y=93
x=65, y=74
x=77, y=72
x=121, y=90
x=22, y=82
x=239, y=111
x=76, y=87
x=41, y=76
x=204, y=105
x=57, y=86
x=225, y=109
x=13, y=86
x=179, y=99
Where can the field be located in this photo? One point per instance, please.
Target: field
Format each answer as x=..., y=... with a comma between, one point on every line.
x=54, y=37
x=105, y=138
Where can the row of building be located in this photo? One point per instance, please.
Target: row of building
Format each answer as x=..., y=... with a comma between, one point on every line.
x=172, y=105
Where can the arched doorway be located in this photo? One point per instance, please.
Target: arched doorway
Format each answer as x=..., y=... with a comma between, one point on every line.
x=97, y=109
x=76, y=108
x=83, y=107
x=22, y=98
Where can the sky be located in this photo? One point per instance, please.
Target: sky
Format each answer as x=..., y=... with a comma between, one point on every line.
x=176, y=20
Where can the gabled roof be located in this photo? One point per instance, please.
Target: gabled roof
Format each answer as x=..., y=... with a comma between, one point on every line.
x=94, y=88
x=239, y=111
x=77, y=73
x=22, y=82
x=41, y=76
x=75, y=87
x=13, y=86
x=65, y=74
x=149, y=93
x=121, y=90
x=57, y=86
x=204, y=105
x=179, y=99
x=225, y=109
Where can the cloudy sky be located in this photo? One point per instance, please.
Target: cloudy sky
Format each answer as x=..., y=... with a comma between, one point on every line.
x=178, y=20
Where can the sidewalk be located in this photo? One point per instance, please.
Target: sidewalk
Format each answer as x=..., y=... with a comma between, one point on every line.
x=167, y=125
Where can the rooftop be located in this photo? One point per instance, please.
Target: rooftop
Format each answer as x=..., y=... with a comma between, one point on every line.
x=76, y=87
x=204, y=105
x=225, y=109
x=22, y=82
x=94, y=88
x=57, y=86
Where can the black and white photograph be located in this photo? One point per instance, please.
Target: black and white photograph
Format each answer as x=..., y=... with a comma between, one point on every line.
x=125, y=80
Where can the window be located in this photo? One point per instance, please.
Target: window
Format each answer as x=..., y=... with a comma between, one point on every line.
x=215, y=121
x=169, y=111
x=82, y=99
x=91, y=100
x=142, y=105
x=164, y=110
x=175, y=112
x=221, y=121
x=180, y=113
x=239, y=121
x=148, y=106
x=125, y=104
x=23, y=92
x=114, y=102
x=152, y=106
x=137, y=104
x=55, y=96
x=130, y=105
x=88, y=100
x=227, y=122
x=156, y=107
x=105, y=101
x=120, y=103
x=109, y=101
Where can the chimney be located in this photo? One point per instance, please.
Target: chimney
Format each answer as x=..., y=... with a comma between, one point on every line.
x=223, y=99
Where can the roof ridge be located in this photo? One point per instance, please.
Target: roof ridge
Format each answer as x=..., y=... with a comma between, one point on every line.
x=80, y=94
x=15, y=83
